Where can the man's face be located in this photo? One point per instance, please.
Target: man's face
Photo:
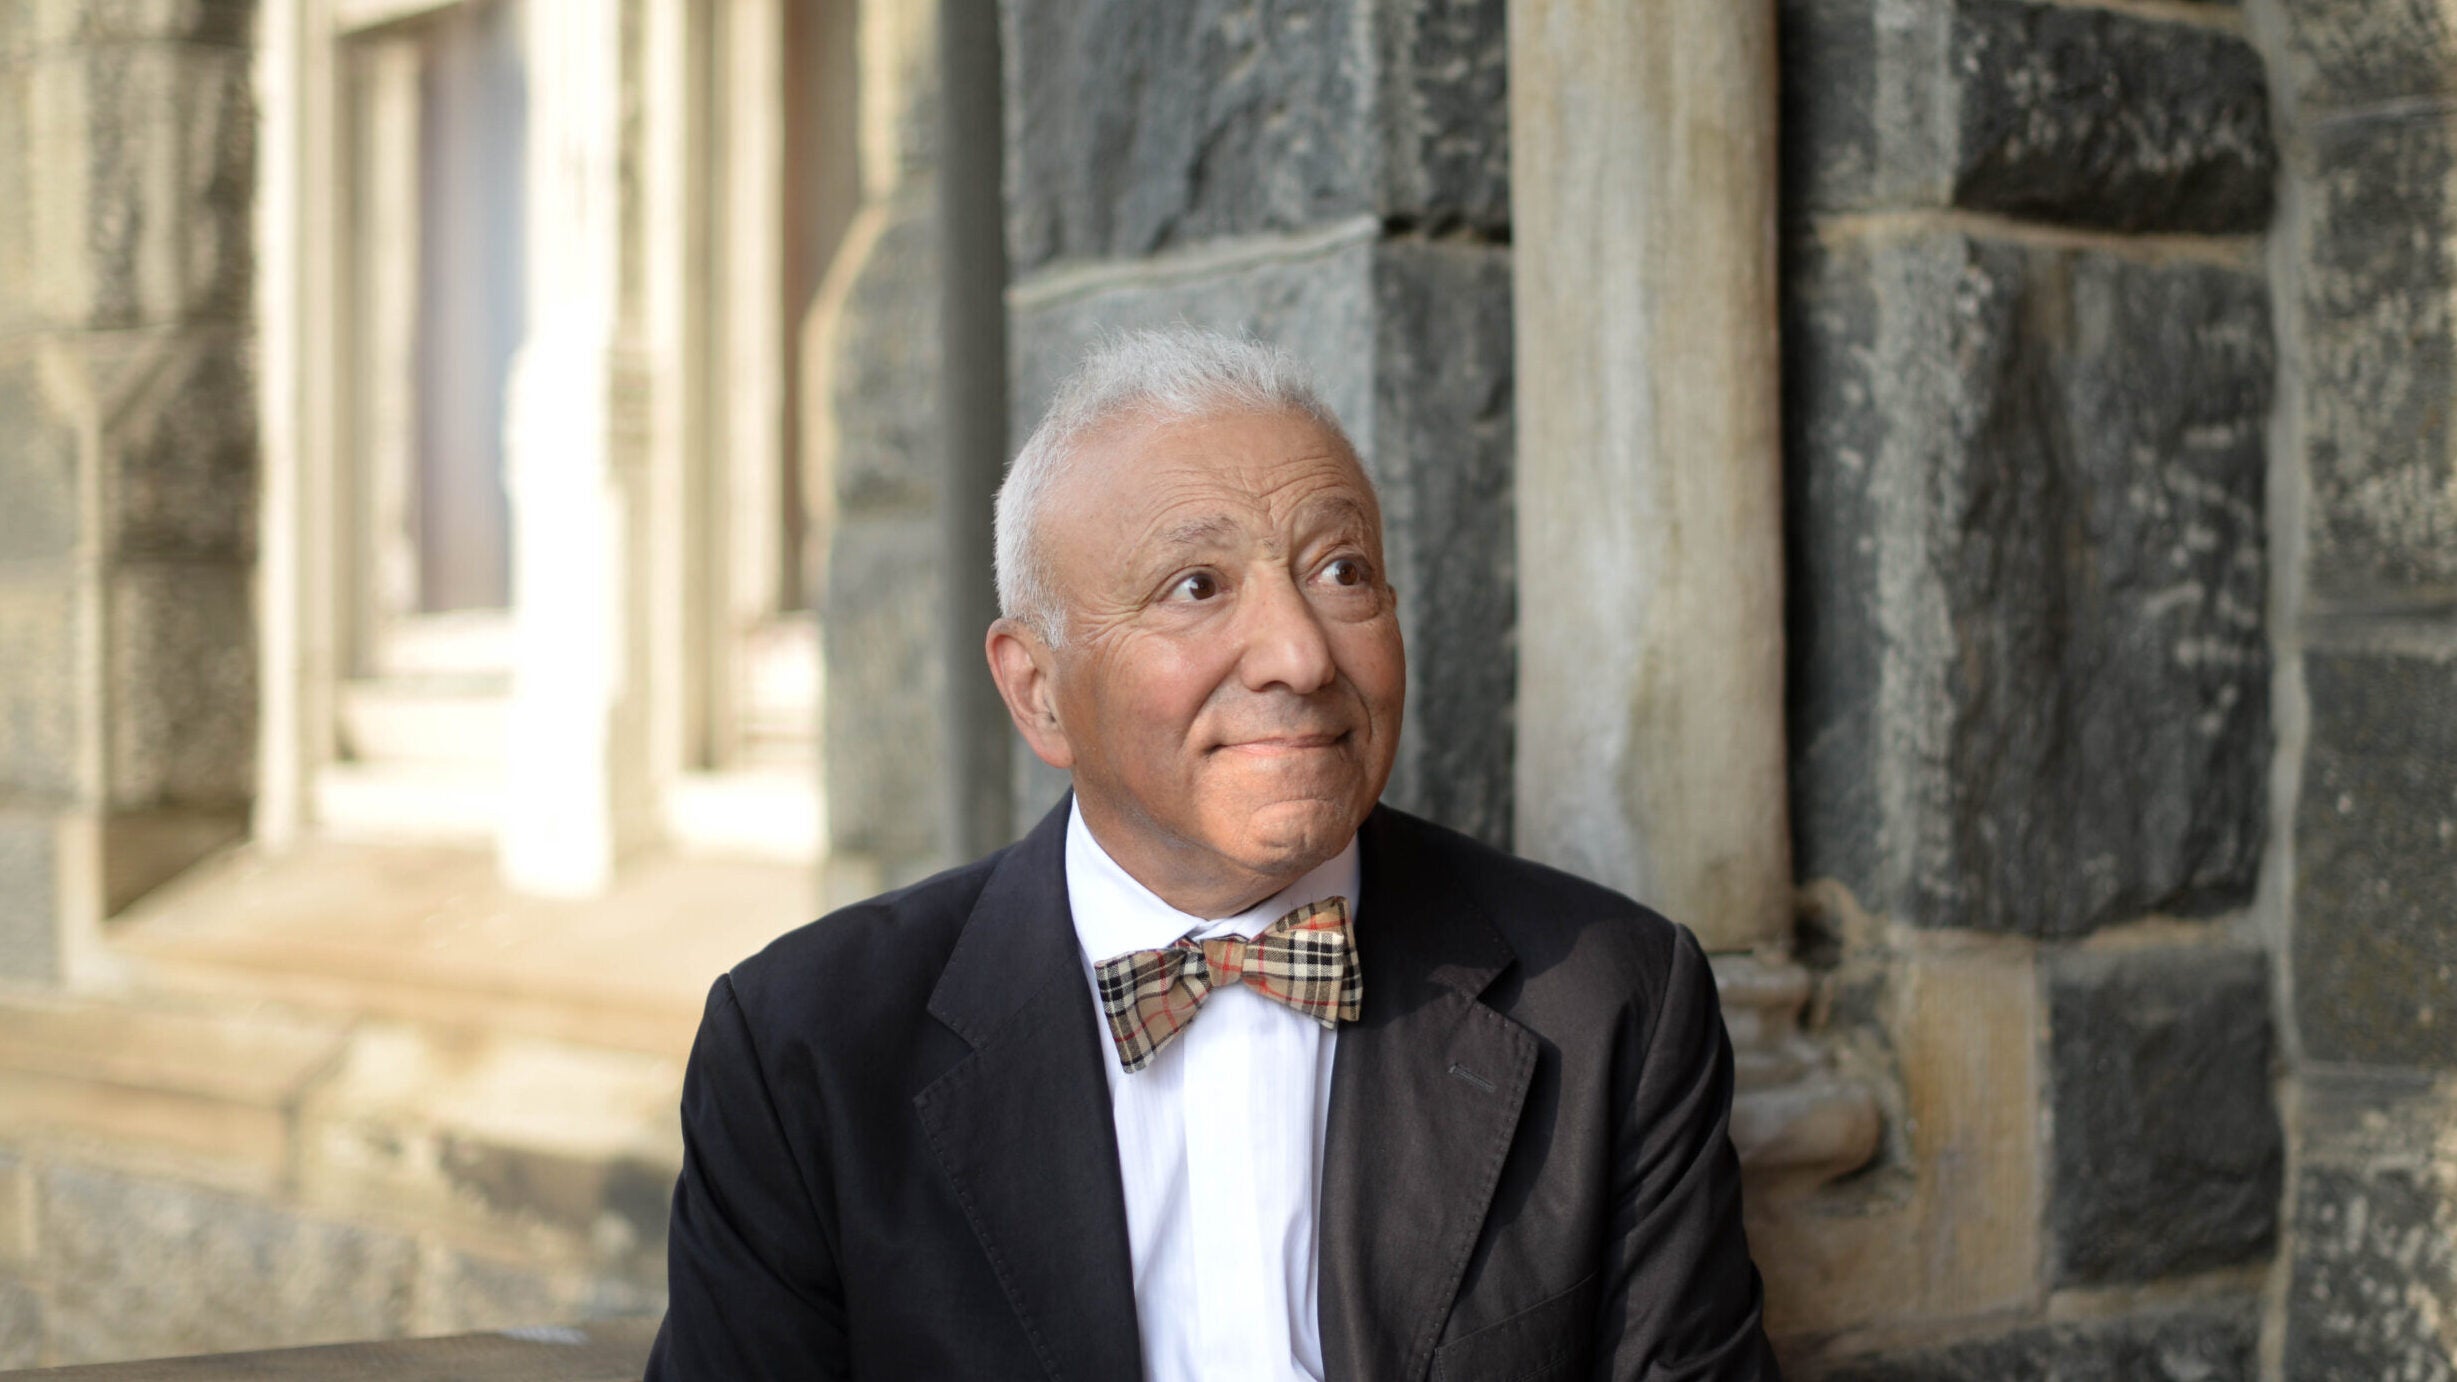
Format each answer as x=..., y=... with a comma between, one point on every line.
x=1230, y=683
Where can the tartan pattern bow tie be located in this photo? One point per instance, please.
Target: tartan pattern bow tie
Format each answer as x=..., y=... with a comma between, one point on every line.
x=1306, y=960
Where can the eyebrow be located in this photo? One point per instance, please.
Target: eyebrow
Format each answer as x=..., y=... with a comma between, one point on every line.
x=1219, y=528
x=1199, y=532
x=1339, y=509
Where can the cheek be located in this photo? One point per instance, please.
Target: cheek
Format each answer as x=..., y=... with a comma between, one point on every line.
x=1375, y=662
x=1153, y=699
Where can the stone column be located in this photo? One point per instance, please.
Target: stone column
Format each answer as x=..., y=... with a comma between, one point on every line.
x=972, y=261
x=876, y=442
x=1650, y=691
x=1651, y=746
x=577, y=773
x=128, y=453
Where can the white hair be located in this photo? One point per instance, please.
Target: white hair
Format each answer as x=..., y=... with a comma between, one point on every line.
x=1176, y=373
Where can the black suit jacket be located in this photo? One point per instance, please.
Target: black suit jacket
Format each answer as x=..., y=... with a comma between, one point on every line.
x=899, y=1160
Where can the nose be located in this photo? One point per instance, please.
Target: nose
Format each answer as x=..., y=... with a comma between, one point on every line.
x=1284, y=640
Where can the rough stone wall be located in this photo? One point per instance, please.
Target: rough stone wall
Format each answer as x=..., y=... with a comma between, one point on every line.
x=127, y=456
x=2029, y=374
x=2367, y=255
x=1331, y=174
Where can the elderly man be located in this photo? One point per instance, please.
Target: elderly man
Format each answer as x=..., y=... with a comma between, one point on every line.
x=1224, y=1071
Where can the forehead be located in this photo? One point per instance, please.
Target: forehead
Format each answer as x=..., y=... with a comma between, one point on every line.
x=1238, y=464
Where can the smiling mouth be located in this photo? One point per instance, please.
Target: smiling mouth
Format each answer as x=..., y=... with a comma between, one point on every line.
x=1288, y=743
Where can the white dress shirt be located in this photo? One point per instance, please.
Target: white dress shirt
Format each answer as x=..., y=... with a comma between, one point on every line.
x=1236, y=1105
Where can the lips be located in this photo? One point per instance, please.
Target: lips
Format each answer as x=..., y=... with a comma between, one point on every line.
x=1288, y=743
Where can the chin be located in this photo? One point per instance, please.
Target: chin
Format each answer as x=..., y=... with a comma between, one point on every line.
x=1292, y=836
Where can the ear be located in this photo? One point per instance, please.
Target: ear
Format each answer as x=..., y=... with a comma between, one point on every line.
x=1025, y=671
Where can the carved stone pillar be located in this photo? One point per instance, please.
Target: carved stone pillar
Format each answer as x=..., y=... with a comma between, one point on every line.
x=129, y=449
x=1649, y=493
x=578, y=765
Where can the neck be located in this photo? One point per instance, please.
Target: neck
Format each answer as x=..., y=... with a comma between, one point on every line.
x=1190, y=878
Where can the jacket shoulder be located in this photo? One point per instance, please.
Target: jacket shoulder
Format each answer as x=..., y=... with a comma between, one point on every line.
x=1547, y=915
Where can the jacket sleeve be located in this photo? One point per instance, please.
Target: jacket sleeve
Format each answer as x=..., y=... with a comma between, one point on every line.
x=753, y=1290
x=1681, y=1301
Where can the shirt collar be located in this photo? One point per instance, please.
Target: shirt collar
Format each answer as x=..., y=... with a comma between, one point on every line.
x=1115, y=914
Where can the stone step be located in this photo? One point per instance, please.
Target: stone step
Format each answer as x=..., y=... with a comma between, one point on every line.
x=498, y=1074
x=507, y=1145
x=507, y=1072
x=458, y=803
x=429, y=935
x=601, y=1351
x=465, y=643
x=771, y=812
x=208, y=1091
x=430, y=719
x=347, y=981
x=502, y=1145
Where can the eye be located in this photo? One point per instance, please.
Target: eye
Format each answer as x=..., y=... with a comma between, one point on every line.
x=1347, y=571
x=1195, y=585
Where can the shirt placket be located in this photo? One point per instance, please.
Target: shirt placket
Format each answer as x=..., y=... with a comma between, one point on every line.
x=1232, y=1264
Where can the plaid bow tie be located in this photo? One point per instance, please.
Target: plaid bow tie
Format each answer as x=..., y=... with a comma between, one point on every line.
x=1306, y=960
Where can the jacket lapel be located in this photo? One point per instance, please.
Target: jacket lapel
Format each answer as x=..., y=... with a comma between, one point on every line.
x=1425, y=1097
x=1022, y=1126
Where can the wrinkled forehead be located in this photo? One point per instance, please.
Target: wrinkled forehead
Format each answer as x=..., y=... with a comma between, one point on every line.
x=1230, y=464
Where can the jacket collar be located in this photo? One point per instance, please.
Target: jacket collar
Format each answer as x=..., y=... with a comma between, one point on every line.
x=1426, y=1091
x=1022, y=1125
